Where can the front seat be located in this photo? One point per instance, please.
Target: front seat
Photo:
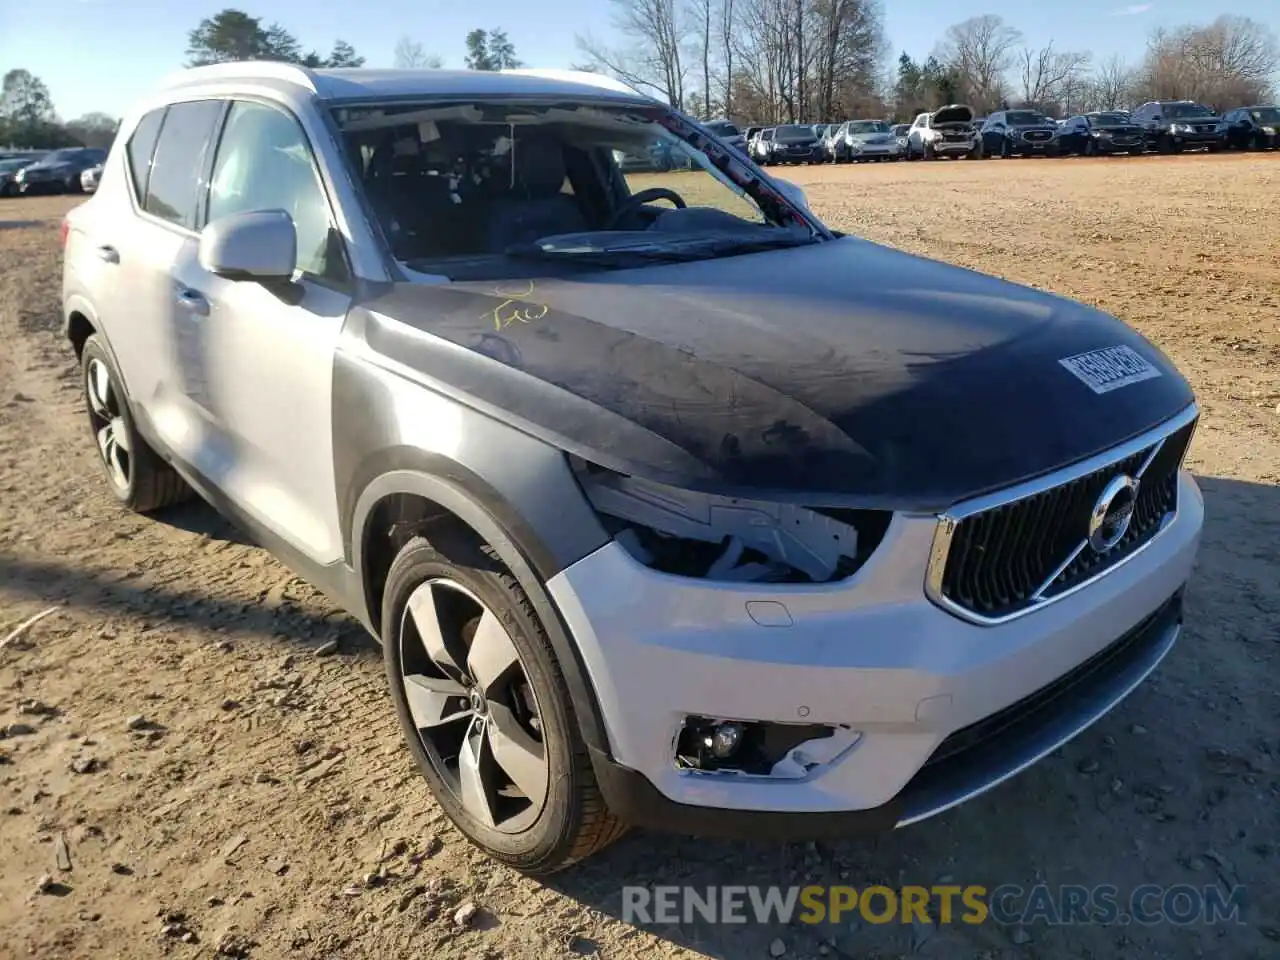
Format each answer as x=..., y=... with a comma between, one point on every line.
x=534, y=207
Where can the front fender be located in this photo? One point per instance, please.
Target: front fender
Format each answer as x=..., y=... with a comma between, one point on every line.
x=517, y=544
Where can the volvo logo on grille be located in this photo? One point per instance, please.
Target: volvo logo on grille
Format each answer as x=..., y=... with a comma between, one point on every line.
x=1112, y=514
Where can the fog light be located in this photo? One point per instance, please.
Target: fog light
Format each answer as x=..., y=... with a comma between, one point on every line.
x=725, y=739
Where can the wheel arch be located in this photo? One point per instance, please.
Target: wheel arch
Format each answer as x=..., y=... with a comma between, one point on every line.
x=79, y=323
x=425, y=491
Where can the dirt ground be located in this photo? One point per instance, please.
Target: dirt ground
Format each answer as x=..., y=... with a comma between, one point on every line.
x=218, y=788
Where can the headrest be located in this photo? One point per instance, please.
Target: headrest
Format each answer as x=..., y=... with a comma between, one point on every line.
x=539, y=165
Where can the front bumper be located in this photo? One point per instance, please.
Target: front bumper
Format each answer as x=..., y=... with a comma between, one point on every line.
x=868, y=150
x=1197, y=139
x=949, y=147
x=872, y=654
x=1126, y=144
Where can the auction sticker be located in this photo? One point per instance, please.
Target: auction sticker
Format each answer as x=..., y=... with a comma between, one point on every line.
x=1110, y=368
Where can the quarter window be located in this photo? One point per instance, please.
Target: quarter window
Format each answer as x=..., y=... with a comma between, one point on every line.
x=173, y=187
x=264, y=163
x=141, y=146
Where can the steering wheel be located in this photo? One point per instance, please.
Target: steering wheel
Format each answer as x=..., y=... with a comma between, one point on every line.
x=640, y=199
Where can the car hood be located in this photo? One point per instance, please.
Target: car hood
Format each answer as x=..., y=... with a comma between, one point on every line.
x=842, y=373
x=953, y=113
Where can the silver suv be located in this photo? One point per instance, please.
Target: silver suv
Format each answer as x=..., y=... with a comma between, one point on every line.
x=669, y=505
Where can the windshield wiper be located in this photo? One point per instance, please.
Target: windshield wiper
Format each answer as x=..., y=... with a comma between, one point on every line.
x=682, y=251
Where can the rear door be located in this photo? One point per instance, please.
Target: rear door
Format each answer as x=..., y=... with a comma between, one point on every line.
x=270, y=352
x=161, y=363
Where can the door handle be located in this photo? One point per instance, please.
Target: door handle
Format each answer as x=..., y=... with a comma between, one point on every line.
x=193, y=301
x=108, y=254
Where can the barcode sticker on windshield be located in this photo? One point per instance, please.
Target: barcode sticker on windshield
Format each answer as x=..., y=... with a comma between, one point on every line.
x=1110, y=368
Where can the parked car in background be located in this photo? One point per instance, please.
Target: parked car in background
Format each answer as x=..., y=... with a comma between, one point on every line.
x=1251, y=128
x=946, y=132
x=792, y=143
x=89, y=179
x=735, y=526
x=1171, y=126
x=728, y=131
x=8, y=174
x=59, y=171
x=900, y=131
x=751, y=132
x=860, y=140
x=1019, y=133
x=1107, y=131
x=758, y=147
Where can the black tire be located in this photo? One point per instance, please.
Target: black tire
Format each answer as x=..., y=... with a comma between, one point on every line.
x=147, y=483
x=574, y=822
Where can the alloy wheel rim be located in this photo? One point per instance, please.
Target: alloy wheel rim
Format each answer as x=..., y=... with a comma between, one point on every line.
x=472, y=706
x=106, y=414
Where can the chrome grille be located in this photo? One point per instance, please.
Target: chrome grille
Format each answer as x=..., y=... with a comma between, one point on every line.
x=1037, y=135
x=996, y=563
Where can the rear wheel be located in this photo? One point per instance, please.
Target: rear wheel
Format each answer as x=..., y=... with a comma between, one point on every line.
x=485, y=708
x=136, y=474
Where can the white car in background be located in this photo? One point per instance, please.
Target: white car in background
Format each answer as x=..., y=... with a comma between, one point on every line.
x=946, y=132
x=858, y=140
x=89, y=178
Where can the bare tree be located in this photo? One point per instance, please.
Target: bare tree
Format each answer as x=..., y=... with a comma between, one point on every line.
x=410, y=55
x=980, y=50
x=1110, y=85
x=701, y=11
x=808, y=60
x=727, y=22
x=1047, y=74
x=656, y=32
x=1232, y=60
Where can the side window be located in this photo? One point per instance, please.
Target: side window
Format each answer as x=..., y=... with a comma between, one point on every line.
x=174, y=185
x=264, y=163
x=142, y=145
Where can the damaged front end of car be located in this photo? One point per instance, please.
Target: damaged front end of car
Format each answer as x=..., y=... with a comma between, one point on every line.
x=730, y=539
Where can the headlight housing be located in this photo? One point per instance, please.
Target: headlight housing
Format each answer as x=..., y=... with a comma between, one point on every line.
x=1180, y=128
x=718, y=538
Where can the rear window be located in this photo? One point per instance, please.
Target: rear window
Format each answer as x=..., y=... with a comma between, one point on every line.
x=794, y=132
x=723, y=129
x=179, y=162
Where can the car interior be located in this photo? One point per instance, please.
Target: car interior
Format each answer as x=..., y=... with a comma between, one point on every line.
x=476, y=180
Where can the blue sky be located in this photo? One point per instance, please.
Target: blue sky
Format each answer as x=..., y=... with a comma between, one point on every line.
x=101, y=54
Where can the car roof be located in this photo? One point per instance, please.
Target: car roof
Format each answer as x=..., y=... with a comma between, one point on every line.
x=370, y=84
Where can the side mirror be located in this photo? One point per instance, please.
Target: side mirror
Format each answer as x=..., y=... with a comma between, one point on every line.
x=793, y=193
x=260, y=245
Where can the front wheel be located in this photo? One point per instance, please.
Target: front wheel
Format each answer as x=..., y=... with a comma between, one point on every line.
x=136, y=474
x=486, y=710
